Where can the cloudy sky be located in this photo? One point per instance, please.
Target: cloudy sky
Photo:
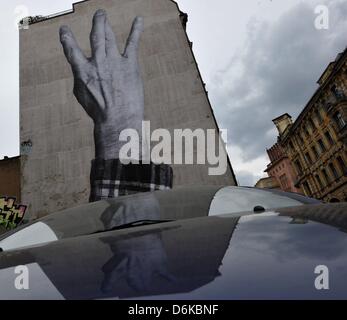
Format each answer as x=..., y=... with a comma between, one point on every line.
x=259, y=58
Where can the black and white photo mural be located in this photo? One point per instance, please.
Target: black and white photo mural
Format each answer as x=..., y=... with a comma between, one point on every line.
x=109, y=87
x=113, y=103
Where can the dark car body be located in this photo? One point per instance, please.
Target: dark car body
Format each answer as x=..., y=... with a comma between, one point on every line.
x=189, y=243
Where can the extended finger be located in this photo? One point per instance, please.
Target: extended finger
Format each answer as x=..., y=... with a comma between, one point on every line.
x=97, y=36
x=134, y=37
x=72, y=51
x=111, y=42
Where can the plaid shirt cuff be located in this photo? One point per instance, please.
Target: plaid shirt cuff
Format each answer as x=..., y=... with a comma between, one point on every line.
x=111, y=178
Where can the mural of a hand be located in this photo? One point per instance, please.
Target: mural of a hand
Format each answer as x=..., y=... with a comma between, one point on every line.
x=108, y=85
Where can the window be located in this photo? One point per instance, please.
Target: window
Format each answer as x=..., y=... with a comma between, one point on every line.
x=319, y=117
x=307, y=189
x=301, y=139
x=307, y=133
x=342, y=165
x=339, y=120
x=308, y=158
x=298, y=167
x=291, y=145
x=326, y=177
x=338, y=93
x=319, y=180
x=328, y=106
x=284, y=182
x=321, y=145
x=333, y=170
x=312, y=124
x=325, y=106
x=321, y=111
x=334, y=90
x=315, y=152
x=329, y=138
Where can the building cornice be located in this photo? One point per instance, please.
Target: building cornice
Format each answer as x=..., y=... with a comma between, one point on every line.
x=39, y=18
x=338, y=65
x=274, y=163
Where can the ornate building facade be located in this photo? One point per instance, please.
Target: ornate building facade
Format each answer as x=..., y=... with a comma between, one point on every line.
x=316, y=142
x=267, y=183
x=280, y=169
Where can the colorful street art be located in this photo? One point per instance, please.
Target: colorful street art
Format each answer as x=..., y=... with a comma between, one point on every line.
x=11, y=215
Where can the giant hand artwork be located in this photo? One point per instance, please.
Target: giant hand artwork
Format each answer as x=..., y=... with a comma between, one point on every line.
x=115, y=98
x=108, y=85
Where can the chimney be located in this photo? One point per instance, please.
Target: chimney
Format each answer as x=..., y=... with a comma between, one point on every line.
x=282, y=122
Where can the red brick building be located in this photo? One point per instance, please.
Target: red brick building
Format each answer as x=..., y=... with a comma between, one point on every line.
x=280, y=169
x=10, y=177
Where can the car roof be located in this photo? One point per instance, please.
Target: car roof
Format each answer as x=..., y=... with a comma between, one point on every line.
x=181, y=258
x=181, y=203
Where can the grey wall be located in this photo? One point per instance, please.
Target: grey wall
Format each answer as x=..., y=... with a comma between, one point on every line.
x=55, y=172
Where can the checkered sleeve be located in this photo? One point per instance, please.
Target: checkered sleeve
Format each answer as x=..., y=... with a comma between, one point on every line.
x=111, y=178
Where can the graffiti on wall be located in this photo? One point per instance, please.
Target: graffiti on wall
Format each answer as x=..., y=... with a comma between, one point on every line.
x=11, y=215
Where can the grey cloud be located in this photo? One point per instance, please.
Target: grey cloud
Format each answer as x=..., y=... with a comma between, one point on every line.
x=275, y=72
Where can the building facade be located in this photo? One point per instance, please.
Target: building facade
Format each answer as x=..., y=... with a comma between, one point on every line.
x=267, y=183
x=316, y=142
x=55, y=168
x=10, y=178
x=281, y=170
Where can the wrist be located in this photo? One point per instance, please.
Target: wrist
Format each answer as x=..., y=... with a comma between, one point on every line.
x=109, y=141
